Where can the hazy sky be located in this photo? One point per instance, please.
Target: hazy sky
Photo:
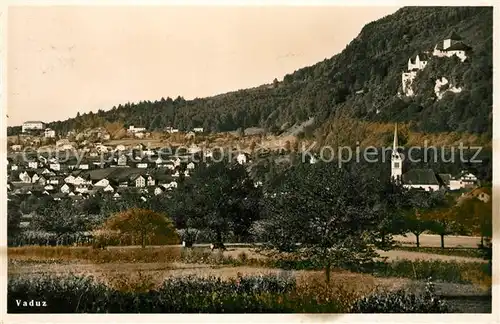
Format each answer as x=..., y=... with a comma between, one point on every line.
x=62, y=60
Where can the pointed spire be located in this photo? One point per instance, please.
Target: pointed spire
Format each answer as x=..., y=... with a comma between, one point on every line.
x=395, y=143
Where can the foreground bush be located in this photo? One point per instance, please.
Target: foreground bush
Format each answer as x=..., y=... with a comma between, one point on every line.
x=401, y=302
x=263, y=294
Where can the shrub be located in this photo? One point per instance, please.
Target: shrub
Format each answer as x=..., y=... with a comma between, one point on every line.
x=190, y=294
x=401, y=301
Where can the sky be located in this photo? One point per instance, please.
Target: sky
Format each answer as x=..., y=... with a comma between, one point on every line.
x=68, y=59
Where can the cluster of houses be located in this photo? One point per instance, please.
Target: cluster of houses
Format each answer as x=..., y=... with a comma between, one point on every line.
x=104, y=169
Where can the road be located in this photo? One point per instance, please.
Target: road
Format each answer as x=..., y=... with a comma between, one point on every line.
x=426, y=240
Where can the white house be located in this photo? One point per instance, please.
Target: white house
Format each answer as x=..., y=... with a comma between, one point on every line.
x=108, y=188
x=25, y=177
x=171, y=130
x=16, y=147
x=33, y=164
x=198, y=129
x=122, y=160
x=140, y=181
x=241, y=158
x=83, y=166
x=69, y=179
x=34, y=178
x=190, y=166
x=67, y=188
x=55, y=166
x=32, y=125
x=120, y=147
x=158, y=191
x=102, y=183
x=142, y=165
x=50, y=133
x=208, y=153
x=150, y=181
x=133, y=129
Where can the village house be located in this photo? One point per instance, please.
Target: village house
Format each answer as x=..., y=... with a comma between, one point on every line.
x=33, y=164
x=241, y=158
x=122, y=160
x=56, y=166
x=50, y=133
x=198, y=129
x=32, y=125
x=158, y=191
x=16, y=147
x=133, y=129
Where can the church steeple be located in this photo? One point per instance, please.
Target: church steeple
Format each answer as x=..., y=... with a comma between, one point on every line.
x=396, y=160
x=395, y=143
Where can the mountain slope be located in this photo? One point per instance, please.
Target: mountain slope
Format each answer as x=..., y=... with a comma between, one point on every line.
x=373, y=62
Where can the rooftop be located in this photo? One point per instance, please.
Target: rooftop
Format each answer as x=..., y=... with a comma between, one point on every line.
x=420, y=177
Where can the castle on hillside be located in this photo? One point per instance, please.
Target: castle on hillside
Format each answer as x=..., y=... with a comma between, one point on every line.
x=452, y=45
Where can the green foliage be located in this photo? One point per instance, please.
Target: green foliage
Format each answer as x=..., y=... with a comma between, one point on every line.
x=144, y=226
x=221, y=198
x=322, y=211
x=261, y=294
x=184, y=295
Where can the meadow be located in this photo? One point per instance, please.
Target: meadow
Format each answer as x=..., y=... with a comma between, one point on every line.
x=151, y=279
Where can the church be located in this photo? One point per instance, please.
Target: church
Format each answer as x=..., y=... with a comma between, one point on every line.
x=424, y=179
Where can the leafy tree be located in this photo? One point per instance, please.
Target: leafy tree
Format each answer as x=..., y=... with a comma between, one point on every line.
x=419, y=203
x=442, y=221
x=477, y=216
x=142, y=224
x=59, y=217
x=13, y=221
x=324, y=213
x=220, y=198
x=392, y=198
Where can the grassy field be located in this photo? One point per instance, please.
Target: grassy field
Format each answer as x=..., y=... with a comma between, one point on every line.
x=146, y=270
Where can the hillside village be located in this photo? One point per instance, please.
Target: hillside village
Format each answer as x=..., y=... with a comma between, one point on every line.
x=80, y=172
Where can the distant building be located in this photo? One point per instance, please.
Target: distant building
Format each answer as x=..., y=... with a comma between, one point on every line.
x=198, y=129
x=133, y=129
x=171, y=130
x=32, y=125
x=50, y=133
x=452, y=45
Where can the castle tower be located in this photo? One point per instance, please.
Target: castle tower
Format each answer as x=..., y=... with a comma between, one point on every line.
x=396, y=159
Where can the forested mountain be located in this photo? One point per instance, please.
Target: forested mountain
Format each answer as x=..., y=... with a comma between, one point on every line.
x=372, y=62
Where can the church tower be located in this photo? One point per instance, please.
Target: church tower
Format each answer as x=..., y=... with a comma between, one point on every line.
x=396, y=160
